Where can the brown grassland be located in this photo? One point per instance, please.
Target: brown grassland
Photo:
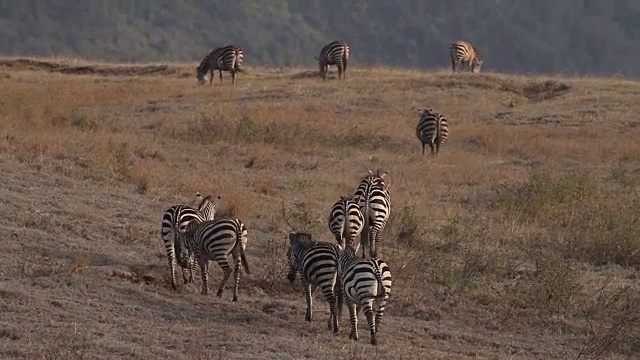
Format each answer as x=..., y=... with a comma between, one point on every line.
x=521, y=240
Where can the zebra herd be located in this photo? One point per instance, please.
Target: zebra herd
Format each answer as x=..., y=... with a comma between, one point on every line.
x=192, y=234
x=432, y=128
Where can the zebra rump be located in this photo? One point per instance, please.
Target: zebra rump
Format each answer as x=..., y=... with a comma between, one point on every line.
x=334, y=53
x=432, y=130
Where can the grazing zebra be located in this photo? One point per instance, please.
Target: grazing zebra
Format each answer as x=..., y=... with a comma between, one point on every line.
x=334, y=53
x=317, y=263
x=177, y=217
x=366, y=284
x=375, y=203
x=346, y=221
x=225, y=58
x=432, y=130
x=216, y=240
x=465, y=52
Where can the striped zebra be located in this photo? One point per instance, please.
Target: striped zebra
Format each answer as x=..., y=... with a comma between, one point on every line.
x=216, y=240
x=346, y=221
x=177, y=217
x=432, y=130
x=334, y=53
x=365, y=284
x=317, y=263
x=465, y=52
x=372, y=195
x=225, y=58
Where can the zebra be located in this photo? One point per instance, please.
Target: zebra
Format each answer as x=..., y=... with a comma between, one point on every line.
x=465, y=52
x=334, y=53
x=317, y=263
x=225, y=58
x=372, y=195
x=177, y=217
x=216, y=240
x=364, y=283
x=432, y=130
x=346, y=213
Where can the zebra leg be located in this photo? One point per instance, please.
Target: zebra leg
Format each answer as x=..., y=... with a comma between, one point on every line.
x=368, y=313
x=220, y=70
x=379, y=310
x=353, y=319
x=309, y=297
x=424, y=147
x=330, y=297
x=227, y=274
x=433, y=148
x=233, y=76
x=236, y=272
x=211, y=76
x=204, y=271
x=340, y=299
x=339, y=66
x=192, y=268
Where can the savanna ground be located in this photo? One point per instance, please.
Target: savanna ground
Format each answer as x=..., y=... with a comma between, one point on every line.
x=520, y=241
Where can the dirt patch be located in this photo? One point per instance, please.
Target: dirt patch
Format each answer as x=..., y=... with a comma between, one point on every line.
x=545, y=90
x=103, y=70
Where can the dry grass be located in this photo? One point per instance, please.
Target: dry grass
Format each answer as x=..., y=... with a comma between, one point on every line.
x=520, y=241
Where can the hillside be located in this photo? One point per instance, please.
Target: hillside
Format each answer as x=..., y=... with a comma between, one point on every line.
x=518, y=241
x=560, y=37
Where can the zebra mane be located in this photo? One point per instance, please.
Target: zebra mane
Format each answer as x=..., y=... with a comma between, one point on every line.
x=300, y=237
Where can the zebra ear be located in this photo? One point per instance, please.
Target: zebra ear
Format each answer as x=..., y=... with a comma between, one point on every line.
x=370, y=171
x=217, y=200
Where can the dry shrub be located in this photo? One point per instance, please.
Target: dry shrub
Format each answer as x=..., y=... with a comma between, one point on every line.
x=588, y=219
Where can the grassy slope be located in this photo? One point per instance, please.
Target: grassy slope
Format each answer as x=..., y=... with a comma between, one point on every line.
x=91, y=161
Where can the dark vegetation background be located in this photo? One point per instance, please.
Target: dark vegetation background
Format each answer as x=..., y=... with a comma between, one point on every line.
x=542, y=36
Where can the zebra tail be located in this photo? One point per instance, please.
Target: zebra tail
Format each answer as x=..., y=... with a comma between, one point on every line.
x=243, y=256
x=381, y=290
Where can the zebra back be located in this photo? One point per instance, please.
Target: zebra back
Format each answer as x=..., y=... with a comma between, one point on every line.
x=463, y=51
x=359, y=276
x=214, y=238
x=333, y=53
x=317, y=261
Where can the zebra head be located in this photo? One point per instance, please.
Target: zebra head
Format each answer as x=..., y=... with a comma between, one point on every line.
x=476, y=63
x=201, y=71
x=298, y=242
x=208, y=207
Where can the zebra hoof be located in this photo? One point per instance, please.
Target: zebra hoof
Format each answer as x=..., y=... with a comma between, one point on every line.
x=307, y=318
x=234, y=300
x=374, y=342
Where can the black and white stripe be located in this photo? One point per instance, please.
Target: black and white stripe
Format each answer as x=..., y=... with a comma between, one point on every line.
x=346, y=221
x=177, y=218
x=432, y=130
x=365, y=284
x=216, y=240
x=317, y=263
x=465, y=52
x=334, y=53
x=225, y=58
x=372, y=195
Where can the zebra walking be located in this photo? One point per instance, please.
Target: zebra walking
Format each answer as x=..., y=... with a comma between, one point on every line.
x=216, y=240
x=225, y=58
x=334, y=53
x=372, y=195
x=365, y=284
x=176, y=218
x=346, y=221
x=317, y=263
x=465, y=52
x=432, y=130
